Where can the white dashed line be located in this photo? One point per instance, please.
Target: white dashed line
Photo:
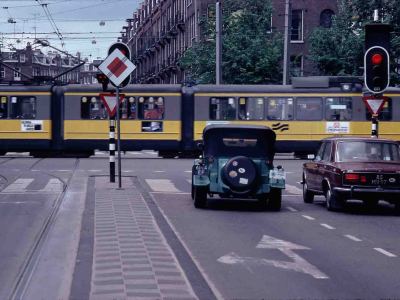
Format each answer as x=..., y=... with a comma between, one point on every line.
x=291, y=209
x=327, y=226
x=188, y=171
x=63, y=170
x=308, y=217
x=384, y=252
x=159, y=171
x=353, y=238
x=94, y=170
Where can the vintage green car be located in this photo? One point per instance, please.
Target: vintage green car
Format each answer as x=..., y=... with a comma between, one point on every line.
x=237, y=162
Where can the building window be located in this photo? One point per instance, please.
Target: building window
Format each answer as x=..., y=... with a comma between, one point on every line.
x=296, y=34
x=22, y=57
x=2, y=72
x=296, y=65
x=17, y=74
x=325, y=19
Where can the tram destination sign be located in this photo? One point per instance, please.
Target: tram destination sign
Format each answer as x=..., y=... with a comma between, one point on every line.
x=117, y=67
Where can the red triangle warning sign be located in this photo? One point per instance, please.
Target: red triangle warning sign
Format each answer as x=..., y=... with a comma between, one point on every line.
x=374, y=105
x=110, y=102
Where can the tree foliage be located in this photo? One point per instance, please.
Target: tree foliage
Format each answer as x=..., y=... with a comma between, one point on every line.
x=251, y=53
x=339, y=50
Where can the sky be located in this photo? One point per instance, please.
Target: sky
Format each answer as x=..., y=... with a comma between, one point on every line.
x=87, y=26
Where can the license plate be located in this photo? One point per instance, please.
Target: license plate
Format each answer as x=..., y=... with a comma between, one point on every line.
x=385, y=179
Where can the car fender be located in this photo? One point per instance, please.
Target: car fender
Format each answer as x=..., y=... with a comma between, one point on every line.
x=325, y=179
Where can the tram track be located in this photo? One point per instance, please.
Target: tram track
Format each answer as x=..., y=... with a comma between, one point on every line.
x=27, y=269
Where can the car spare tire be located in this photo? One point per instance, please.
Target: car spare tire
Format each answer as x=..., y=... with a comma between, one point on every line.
x=240, y=173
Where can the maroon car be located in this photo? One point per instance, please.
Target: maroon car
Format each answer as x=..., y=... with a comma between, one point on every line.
x=366, y=169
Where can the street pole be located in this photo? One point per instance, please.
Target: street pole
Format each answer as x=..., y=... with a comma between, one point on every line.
x=218, y=45
x=286, y=44
x=112, y=149
x=119, y=139
x=374, y=126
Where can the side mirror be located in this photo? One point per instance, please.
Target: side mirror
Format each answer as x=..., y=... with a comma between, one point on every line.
x=310, y=156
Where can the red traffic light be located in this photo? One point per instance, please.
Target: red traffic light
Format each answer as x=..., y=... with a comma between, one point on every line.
x=377, y=59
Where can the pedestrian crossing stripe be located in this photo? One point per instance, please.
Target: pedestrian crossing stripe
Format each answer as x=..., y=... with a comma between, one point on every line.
x=21, y=186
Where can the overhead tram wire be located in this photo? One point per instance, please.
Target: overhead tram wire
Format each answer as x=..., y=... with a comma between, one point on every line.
x=52, y=22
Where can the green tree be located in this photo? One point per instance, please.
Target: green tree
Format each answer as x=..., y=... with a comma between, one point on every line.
x=251, y=52
x=339, y=50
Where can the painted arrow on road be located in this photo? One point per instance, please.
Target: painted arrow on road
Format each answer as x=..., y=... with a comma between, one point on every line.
x=298, y=264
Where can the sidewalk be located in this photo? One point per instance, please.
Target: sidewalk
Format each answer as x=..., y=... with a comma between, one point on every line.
x=131, y=258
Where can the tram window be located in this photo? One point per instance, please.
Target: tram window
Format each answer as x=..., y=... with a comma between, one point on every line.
x=3, y=107
x=309, y=109
x=85, y=111
x=251, y=108
x=280, y=109
x=128, y=108
x=151, y=108
x=339, y=109
x=386, y=112
x=23, y=107
x=94, y=109
x=223, y=108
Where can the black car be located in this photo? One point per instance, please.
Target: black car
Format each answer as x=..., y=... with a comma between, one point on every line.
x=237, y=162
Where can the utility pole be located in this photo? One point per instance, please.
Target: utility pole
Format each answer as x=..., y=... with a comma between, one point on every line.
x=286, y=43
x=218, y=45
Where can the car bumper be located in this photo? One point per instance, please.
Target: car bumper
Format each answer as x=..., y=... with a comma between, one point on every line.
x=368, y=193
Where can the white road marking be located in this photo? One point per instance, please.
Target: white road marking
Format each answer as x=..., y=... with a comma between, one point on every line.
x=298, y=264
x=291, y=209
x=134, y=152
x=174, y=193
x=159, y=171
x=64, y=170
x=94, y=170
x=308, y=217
x=151, y=152
x=384, y=252
x=327, y=226
x=162, y=185
x=188, y=171
x=18, y=185
x=293, y=189
x=54, y=185
x=353, y=238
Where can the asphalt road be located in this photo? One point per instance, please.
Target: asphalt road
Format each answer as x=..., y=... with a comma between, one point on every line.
x=303, y=251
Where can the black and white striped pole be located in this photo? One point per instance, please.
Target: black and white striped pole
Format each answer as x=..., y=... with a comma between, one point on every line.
x=374, y=126
x=112, y=149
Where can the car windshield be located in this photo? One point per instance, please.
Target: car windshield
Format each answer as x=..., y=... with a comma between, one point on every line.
x=367, y=151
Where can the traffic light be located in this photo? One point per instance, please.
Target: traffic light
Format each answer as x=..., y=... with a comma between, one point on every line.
x=376, y=58
x=377, y=75
x=103, y=80
x=125, y=51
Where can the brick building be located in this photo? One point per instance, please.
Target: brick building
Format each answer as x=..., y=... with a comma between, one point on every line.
x=34, y=63
x=161, y=30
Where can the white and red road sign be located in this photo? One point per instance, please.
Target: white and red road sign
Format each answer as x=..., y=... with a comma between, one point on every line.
x=117, y=67
x=110, y=102
x=375, y=104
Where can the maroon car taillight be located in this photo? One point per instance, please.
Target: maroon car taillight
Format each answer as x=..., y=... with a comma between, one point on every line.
x=353, y=178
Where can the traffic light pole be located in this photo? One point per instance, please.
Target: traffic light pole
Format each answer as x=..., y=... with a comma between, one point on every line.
x=118, y=139
x=374, y=126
